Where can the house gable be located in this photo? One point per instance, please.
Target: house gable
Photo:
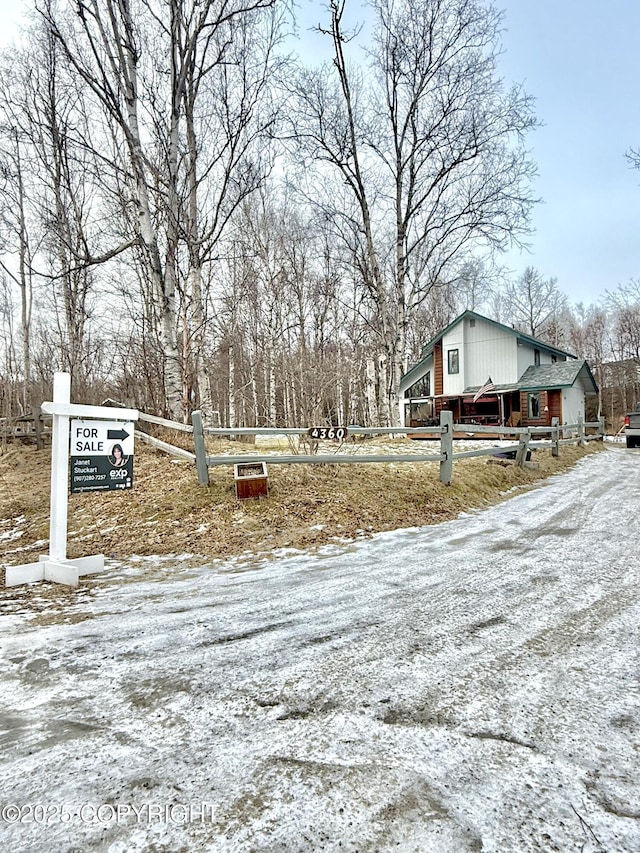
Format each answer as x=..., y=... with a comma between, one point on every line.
x=522, y=336
x=472, y=348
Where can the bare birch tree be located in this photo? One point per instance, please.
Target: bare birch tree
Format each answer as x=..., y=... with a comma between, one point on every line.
x=428, y=158
x=15, y=227
x=534, y=304
x=143, y=65
x=624, y=305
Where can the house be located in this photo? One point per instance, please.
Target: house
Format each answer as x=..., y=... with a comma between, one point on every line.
x=487, y=373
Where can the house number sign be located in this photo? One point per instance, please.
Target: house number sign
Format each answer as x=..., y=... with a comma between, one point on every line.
x=330, y=433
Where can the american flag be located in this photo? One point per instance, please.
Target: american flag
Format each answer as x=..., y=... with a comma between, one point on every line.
x=484, y=389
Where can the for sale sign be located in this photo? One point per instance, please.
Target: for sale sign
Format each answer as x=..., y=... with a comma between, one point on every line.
x=101, y=455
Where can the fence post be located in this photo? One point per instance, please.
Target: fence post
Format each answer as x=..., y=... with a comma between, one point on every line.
x=37, y=425
x=200, y=449
x=446, y=447
x=581, y=441
x=521, y=455
x=555, y=436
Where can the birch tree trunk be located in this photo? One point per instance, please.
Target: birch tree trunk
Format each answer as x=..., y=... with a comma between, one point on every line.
x=383, y=391
x=271, y=384
x=231, y=397
x=370, y=394
x=25, y=284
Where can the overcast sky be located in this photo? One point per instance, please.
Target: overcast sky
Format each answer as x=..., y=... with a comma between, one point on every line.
x=581, y=61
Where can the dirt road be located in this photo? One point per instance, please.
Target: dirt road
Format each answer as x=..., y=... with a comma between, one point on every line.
x=468, y=686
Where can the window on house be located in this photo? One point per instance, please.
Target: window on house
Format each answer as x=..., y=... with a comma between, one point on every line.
x=453, y=361
x=536, y=356
x=472, y=322
x=534, y=405
x=421, y=388
x=418, y=414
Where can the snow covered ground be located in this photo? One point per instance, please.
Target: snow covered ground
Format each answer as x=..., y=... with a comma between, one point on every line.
x=472, y=686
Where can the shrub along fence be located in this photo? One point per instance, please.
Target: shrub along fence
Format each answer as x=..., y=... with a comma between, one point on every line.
x=552, y=437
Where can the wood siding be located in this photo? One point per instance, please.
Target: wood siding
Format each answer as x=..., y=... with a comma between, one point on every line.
x=555, y=405
x=438, y=379
x=489, y=351
x=545, y=417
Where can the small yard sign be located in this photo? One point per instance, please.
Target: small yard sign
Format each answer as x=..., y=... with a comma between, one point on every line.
x=101, y=455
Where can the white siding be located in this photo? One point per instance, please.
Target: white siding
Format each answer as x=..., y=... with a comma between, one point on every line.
x=454, y=383
x=526, y=357
x=426, y=366
x=489, y=351
x=572, y=403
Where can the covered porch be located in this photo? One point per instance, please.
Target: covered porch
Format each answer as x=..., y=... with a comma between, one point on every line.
x=501, y=407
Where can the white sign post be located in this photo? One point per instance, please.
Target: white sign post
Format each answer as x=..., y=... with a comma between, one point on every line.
x=55, y=566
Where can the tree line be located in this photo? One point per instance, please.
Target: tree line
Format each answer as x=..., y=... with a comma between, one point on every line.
x=193, y=216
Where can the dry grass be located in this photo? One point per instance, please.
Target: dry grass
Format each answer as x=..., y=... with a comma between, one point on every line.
x=167, y=512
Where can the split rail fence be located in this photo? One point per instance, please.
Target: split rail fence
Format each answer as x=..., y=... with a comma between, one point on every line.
x=525, y=438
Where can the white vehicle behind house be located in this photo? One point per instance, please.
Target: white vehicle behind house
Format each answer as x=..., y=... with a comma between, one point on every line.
x=632, y=427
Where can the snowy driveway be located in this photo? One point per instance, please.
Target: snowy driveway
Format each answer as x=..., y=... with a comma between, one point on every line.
x=464, y=687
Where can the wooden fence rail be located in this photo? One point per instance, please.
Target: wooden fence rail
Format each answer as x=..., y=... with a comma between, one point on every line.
x=445, y=457
x=179, y=452
x=28, y=427
x=528, y=438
